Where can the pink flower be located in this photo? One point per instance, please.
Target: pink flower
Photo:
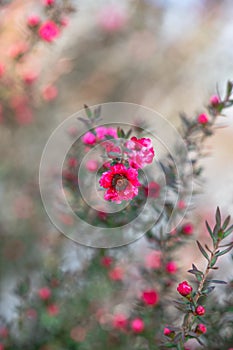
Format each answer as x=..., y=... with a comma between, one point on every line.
x=72, y=162
x=187, y=229
x=171, y=267
x=201, y=328
x=116, y=274
x=141, y=152
x=214, y=100
x=48, y=2
x=49, y=31
x=31, y=313
x=18, y=50
x=78, y=334
x=29, y=77
x=49, y=93
x=119, y=321
x=2, y=69
x=121, y=183
x=33, y=21
x=203, y=118
x=153, y=260
x=181, y=205
x=89, y=138
x=167, y=331
x=92, y=165
x=111, y=18
x=137, y=325
x=153, y=189
x=184, y=288
x=106, y=261
x=200, y=310
x=44, y=293
x=4, y=332
x=53, y=310
x=111, y=147
x=150, y=297
x=2, y=346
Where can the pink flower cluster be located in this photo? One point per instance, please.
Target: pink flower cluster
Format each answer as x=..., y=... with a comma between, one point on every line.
x=49, y=31
x=91, y=138
x=140, y=153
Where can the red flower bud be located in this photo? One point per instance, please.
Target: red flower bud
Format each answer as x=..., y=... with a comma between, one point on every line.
x=137, y=325
x=201, y=328
x=184, y=288
x=150, y=297
x=203, y=118
x=200, y=310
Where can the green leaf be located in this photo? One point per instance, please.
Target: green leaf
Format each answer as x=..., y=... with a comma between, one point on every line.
x=228, y=232
x=224, y=251
x=207, y=291
x=210, y=232
x=202, y=250
x=213, y=261
x=217, y=281
x=218, y=217
x=88, y=111
x=226, y=222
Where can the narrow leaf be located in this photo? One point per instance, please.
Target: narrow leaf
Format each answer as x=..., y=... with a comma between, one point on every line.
x=208, y=290
x=226, y=222
x=202, y=250
x=217, y=281
x=218, y=217
x=88, y=111
x=210, y=232
x=229, y=231
x=224, y=251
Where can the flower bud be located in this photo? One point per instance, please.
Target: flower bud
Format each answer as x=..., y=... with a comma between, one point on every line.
x=201, y=328
x=200, y=310
x=184, y=288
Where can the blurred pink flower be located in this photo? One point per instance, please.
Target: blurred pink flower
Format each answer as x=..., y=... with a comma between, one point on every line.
x=150, y=297
x=153, y=189
x=106, y=261
x=2, y=69
x=121, y=183
x=78, y=334
x=53, y=309
x=89, y=138
x=49, y=31
x=4, y=332
x=33, y=21
x=48, y=2
x=31, y=313
x=187, y=229
x=137, y=325
x=203, y=118
x=119, y=321
x=44, y=293
x=214, y=100
x=116, y=274
x=17, y=50
x=153, y=260
x=141, y=152
x=171, y=267
x=49, y=93
x=92, y=165
x=29, y=77
x=111, y=18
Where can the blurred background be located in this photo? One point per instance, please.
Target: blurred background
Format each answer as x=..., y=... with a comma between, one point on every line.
x=168, y=55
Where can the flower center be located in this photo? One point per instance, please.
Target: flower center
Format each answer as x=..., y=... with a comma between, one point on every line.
x=119, y=182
